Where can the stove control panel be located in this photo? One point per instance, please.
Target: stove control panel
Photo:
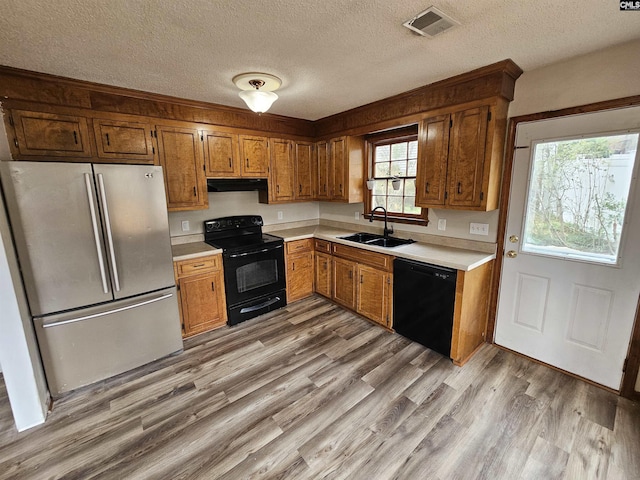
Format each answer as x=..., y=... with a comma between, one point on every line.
x=231, y=223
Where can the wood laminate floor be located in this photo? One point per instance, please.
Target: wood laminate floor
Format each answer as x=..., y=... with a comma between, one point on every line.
x=312, y=392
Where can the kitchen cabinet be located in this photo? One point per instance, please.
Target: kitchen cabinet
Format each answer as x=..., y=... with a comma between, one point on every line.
x=299, y=259
x=459, y=158
x=374, y=294
x=344, y=282
x=221, y=154
x=181, y=155
x=363, y=281
x=120, y=141
x=340, y=174
x=304, y=163
x=282, y=178
x=40, y=136
x=254, y=156
x=322, y=171
x=323, y=267
x=201, y=292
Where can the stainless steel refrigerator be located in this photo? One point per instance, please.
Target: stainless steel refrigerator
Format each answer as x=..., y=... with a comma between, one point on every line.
x=95, y=253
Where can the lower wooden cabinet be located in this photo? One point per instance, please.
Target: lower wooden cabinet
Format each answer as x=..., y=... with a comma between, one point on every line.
x=299, y=259
x=201, y=293
x=362, y=281
x=323, y=274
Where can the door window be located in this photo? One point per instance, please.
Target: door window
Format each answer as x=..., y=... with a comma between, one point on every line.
x=578, y=194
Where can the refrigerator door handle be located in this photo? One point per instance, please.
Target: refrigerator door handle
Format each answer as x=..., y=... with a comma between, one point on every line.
x=96, y=233
x=112, y=254
x=108, y=312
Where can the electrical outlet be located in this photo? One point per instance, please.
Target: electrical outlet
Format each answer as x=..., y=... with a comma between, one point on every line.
x=479, y=228
x=357, y=215
x=280, y=215
x=185, y=226
x=442, y=224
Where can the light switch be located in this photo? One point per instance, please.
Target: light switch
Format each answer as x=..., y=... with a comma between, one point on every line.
x=280, y=215
x=185, y=225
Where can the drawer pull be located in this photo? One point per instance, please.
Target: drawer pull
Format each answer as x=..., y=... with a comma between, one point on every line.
x=198, y=265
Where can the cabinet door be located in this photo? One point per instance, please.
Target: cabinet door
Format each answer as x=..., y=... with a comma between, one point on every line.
x=282, y=164
x=433, y=151
x=181, y=156
x=338, y=180
x=50, y=135
x=324, y=166
x=299, y=276
x=374, y=287
x=344, y=282
x=202, y=301
x=221, y=154
x=124, y=140
x=323, y=274
x=254, y=156
x=466, y=157
x=304, y=171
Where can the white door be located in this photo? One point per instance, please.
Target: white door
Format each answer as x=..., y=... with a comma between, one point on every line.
x=571, y=272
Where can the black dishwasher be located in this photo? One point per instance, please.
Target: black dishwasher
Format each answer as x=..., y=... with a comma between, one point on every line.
x=423, y=299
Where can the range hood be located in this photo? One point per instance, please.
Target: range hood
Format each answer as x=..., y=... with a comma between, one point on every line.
x=236, y=184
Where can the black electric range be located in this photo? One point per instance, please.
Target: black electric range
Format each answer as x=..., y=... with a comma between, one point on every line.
x=254, y=268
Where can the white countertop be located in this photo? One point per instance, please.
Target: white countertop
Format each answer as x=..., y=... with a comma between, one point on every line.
x=458, y=258
x=187, y=251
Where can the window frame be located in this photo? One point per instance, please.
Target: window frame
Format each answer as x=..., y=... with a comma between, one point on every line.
x=405, y=134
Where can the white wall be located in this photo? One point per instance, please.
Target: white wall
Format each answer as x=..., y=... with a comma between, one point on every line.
x=604, y=75
x=19, y=355
x=223, y=204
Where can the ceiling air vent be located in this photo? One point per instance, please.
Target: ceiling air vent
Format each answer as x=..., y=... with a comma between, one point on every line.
x=430, y=23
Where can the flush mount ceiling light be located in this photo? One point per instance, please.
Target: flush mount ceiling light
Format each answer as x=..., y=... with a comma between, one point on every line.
x=257, y=90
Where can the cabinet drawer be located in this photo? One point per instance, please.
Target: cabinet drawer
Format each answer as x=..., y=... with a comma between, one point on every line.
x=379, y=260
x=296, y=246
x=198, y=265
x=322, y=246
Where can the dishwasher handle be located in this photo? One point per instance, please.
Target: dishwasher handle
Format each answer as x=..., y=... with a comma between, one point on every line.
x=434, y=271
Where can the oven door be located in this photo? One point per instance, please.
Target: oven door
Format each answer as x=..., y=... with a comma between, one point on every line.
x=253, y=273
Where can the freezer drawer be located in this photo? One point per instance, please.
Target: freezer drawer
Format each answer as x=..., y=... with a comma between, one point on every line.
x=84, y=346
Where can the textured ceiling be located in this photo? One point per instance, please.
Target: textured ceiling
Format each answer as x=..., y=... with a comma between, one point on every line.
x=332, y=55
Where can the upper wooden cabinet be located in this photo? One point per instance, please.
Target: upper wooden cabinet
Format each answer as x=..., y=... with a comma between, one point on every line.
x=304, y=163
x=124, y=140
x=39, y=134
x=323, y=162
x=460, y=158
x=282, y=170
x=181, y=156
x=254, y=156
x=340, y=169
x=221, y=154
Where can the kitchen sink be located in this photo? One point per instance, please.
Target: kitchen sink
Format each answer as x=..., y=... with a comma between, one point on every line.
x=377, y=240
x=390, y=242
x=362, y=237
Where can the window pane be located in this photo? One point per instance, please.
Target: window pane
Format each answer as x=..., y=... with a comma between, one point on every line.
x=392, y=192
x=399, y=169
x=380, y=187
x=394, y=205
x=399, y=151
x=412, y=168
x=413, y=149
x=578, y=195
x=410, y=206
x=382, y=170
x=382, y=153
x=378, y=201
x=410, y=188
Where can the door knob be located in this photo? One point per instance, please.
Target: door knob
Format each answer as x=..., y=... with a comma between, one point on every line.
x=514, y=239
x=512, y=254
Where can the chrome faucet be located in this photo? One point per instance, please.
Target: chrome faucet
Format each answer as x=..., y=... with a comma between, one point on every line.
x=386, y=230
